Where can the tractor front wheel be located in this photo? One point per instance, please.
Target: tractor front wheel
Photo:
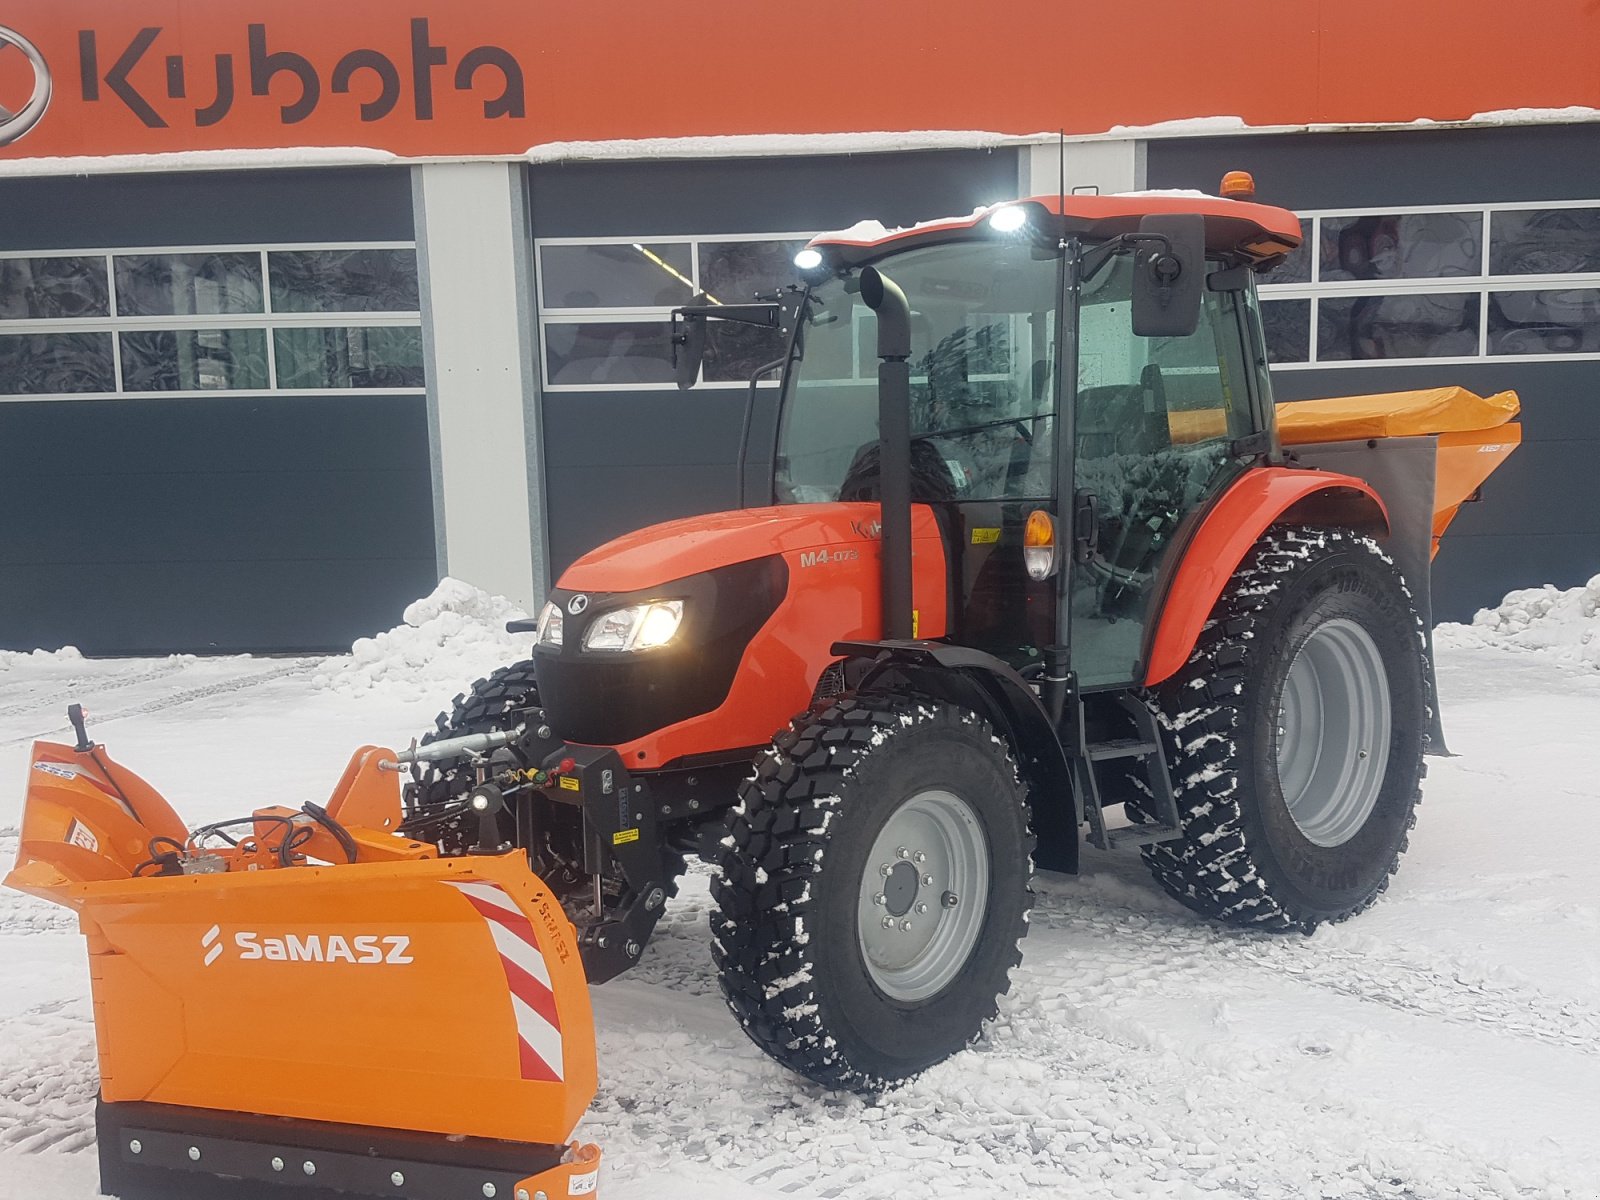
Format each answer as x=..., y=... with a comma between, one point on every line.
x=874, y=888
x=1297, y=732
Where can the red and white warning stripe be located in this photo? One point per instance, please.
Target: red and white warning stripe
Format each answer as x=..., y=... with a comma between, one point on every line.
x=532, y=999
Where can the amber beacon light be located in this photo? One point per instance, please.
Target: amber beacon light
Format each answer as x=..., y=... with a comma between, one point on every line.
x=1238, y=185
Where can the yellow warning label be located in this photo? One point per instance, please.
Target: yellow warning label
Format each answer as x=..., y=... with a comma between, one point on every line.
x=916, y=622
x=570, y=783
x=985, y=536
x=623, y=836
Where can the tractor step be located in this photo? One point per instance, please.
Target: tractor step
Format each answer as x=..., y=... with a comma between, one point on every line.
x=1121, y=748
x=1146, y=750
x=1140, y=835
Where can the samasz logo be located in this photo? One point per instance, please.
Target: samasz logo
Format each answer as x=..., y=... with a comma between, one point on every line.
x=25, y=86
x=363, y=949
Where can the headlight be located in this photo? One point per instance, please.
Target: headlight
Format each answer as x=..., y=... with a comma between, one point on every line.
x=642, y=627
x=549, y=626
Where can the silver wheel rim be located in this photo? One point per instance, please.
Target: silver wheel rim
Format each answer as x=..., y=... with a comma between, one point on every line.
x=1333, y=732
x=923, y=895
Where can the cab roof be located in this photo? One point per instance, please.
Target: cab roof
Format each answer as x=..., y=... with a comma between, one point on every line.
x=1259, y=234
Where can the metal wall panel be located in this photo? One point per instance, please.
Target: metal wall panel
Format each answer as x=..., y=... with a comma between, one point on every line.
x=211, y=523
x=1538, y=523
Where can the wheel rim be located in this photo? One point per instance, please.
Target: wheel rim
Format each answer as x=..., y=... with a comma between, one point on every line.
x=1333, y=732
x=924, y=894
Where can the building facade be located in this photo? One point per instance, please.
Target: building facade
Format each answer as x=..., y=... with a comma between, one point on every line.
x=286, y=334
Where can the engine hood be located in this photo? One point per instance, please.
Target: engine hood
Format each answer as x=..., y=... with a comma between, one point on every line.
x=659, y=554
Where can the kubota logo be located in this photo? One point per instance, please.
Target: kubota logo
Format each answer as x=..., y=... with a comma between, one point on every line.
x=25, y=86
x=361, y=949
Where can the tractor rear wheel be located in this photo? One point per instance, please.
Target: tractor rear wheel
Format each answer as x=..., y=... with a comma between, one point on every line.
x=1298, y=728
x=874, y=888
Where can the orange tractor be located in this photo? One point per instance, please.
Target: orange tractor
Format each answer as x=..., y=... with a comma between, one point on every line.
x=1031, y=551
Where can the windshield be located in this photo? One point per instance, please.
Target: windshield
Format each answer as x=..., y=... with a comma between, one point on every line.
x=982, y=380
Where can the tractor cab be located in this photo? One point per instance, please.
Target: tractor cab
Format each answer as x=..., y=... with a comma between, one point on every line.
x=1092, y=364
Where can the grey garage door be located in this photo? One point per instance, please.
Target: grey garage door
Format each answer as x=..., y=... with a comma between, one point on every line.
x=212, y=412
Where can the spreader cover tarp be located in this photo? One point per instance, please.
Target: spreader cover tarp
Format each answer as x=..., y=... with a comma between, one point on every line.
x=1393, y=414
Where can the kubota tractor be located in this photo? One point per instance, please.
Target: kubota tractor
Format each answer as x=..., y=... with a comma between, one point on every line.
x=1030, y=550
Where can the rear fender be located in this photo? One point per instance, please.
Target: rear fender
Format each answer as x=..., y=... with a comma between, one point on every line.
x=1261, y=498
x=972, y=679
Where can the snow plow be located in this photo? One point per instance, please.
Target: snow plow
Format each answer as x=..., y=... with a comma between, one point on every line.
x=1037, y=561
x=257, y=1016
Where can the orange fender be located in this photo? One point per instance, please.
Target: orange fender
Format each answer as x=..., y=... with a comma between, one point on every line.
x=1235, y=523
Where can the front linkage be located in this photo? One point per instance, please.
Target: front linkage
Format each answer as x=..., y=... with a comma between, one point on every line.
x=608, y=842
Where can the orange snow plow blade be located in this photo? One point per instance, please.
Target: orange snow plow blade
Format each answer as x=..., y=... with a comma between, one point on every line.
x=384, y=1015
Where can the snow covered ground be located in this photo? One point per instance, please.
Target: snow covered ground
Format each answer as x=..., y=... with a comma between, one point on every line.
x=1443, y=1046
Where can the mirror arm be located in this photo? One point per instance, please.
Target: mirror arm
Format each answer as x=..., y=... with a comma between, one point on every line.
x=763, y=315
x=1096, y=259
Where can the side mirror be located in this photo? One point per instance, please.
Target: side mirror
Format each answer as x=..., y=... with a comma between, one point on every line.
x=1169, y=276
x=688, y=347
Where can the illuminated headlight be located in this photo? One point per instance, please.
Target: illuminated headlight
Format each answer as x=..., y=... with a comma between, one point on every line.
x=549, y=626
x=1009, y=219
x=808, y=259
x=642, y=627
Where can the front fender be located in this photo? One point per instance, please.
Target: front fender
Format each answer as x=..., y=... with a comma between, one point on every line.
x=990, y=687
x=1260, y=498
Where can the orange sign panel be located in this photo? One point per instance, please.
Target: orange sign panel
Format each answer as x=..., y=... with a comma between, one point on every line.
x=494, y=77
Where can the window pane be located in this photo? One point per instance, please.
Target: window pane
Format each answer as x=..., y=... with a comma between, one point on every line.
x=1287, y=325
x=1551, y=241
x=164, y=285
x=48, y=289
x=735, y=272
x=1350, y=327
x=344, y=280
x=1297, y=267
x=734, y=351
x=386, y=357
x=617, y=275
x=1408, y=246
x=628, y=352
x=1555, y=322
x=192, y=360
x=33, y=364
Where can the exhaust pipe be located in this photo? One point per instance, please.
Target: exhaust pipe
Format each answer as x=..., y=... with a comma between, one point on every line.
x=885, y=298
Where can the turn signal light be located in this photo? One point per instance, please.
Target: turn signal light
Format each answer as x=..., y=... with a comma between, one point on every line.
x=1039, y=545
x=1238, y=185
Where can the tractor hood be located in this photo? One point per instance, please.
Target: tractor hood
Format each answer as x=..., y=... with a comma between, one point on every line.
x=659, y=554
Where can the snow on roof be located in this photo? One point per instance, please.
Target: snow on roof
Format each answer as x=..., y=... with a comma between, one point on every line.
x=1535, y=116
x=754, y=145
x=767, y=145
x=198, y=160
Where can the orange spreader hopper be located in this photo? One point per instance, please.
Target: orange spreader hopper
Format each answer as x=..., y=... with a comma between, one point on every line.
x=1474, y=434
x=395, y=1025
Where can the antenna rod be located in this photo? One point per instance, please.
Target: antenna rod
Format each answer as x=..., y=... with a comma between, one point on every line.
x=1061, y=165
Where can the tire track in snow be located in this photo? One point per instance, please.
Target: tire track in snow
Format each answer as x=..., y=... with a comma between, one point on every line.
x=1423, y=986
x=222, y=687
x=64, y=692
x=49, y=1078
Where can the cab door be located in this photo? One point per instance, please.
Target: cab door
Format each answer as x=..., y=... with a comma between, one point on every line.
x=1157, y=423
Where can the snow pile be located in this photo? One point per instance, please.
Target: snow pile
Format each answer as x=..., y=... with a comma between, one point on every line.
x=15, y=659
x=1565, y=623
x=446, y=640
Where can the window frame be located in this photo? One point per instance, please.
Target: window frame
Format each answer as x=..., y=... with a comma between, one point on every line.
x=1482, y=284
x=266, y=320
x=600, y=315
